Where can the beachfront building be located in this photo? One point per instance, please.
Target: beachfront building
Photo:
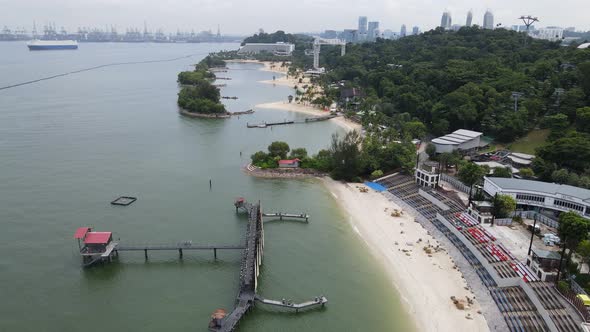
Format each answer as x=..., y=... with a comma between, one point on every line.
x=427, y=175
x=520, y=160
x=289, y=163
x=281, y=49
x=548, y=198
x=544, y=263
x=462, y=140
x=481, y=211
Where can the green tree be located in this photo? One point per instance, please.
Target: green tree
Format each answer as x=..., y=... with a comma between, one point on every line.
x=502, y=172
x=431, y=150
x=504, y=205
x=560, y=176
x=376, y=174
x=258, y=158
x=572, y=229
x=583, y=119
x=470, y=174
x=526, y=173
x=583, y=250
x=346, y=161
x=299, y=153
x=279, y=149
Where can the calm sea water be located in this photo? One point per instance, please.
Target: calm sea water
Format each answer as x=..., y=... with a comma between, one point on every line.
x=70, y=145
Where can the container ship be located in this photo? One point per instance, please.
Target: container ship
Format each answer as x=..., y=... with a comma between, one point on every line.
x=39, y=45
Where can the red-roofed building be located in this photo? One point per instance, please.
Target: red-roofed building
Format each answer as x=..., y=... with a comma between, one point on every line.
x=289, y=163
x=81, y=232
x=98, y=238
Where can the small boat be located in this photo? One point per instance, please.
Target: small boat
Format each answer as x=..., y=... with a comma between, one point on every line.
x=41, y=45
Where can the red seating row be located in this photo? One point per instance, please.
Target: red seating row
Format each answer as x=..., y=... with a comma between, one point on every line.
x=468, y=220
x=524, y=272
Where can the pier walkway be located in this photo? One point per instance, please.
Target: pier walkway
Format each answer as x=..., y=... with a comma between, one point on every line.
x=96, y=247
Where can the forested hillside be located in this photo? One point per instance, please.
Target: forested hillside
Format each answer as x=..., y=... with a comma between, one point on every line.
x=467, y=79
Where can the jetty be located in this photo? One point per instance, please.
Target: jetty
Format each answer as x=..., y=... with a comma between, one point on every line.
x=99, y=247
x=282, y=215
x=305, y=120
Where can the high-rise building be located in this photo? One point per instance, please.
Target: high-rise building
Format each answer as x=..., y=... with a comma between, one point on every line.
x=469, y=18
x=446, y=20
x=402, y=31
x=415, y=30
x=350, y=35
x=373, y=30
x=488, y=20
x=362, y=24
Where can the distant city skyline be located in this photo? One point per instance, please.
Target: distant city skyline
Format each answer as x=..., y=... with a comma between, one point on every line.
x=239, y=17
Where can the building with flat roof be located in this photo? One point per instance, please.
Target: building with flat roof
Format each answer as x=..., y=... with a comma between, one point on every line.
x=540, y=196
x=284, y=49
x=461, y=139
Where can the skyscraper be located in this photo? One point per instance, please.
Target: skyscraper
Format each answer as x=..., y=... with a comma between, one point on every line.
x=446, y=20
x=362, y=24
x=415, y=30
x=373, y=30
x=469, y=18
x=402, y=31
x=488, y=20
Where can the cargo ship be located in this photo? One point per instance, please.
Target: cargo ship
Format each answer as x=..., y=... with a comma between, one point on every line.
x=40, y=45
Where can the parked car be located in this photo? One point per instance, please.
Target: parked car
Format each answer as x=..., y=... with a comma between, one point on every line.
x=551, y=239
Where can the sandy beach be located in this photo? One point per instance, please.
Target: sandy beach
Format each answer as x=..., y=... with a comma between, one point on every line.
x=425, y=281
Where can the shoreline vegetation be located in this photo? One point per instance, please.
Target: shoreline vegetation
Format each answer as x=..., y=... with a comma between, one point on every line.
x=198, y=97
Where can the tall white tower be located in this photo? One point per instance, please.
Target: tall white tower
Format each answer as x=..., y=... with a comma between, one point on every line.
x=488, y=20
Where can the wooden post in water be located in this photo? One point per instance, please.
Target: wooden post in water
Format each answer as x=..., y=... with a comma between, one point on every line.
x=145, y=252
x=180, y=253
x=215, y=252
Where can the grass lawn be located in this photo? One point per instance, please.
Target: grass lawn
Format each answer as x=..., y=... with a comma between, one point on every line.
x=530, y=142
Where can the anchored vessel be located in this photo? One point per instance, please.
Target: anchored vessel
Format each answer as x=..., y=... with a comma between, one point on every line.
x=96, y=247
x=41, y=45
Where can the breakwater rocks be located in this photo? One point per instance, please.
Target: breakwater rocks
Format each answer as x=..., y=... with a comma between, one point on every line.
x=281, y=173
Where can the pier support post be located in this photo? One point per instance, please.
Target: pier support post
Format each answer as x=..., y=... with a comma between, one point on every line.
x=145, y=253
x=180, y=253
x=215, y=253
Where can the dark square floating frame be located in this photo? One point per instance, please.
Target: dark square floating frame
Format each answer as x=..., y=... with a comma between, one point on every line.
x=124, y=200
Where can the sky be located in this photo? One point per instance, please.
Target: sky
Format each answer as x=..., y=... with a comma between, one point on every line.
x=245, y=17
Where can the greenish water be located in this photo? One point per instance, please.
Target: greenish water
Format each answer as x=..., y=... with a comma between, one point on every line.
x=69, y=146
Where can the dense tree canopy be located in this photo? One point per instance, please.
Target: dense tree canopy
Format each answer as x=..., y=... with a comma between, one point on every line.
x=466, y=79
x=199, y=95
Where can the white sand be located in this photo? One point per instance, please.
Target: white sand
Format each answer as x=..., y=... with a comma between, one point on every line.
x=425, y=284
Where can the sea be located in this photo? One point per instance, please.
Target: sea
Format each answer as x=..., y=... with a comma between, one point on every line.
x=107, y=125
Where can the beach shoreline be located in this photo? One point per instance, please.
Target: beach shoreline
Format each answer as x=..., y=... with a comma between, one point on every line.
x=422, y=272
x=425, y=281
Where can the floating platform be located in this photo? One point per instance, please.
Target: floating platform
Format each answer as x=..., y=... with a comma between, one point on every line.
x=124, y=200
x=282, y=215
x=288, y=304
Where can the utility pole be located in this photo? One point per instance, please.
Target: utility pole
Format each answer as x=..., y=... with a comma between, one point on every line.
x=533, y=234
x=560, y=261
x=516, y=96
x=528, y=21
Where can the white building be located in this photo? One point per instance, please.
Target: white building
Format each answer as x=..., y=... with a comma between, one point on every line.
x=488, y=20
x=427, y=175
x=531, y=195
x=549, y=33
x=461, y=139
x=284, y=49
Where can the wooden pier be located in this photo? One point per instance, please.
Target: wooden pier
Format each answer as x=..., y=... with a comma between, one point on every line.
x=282, y=215
x=305, y=120
x=319, y=301
x=100, y=247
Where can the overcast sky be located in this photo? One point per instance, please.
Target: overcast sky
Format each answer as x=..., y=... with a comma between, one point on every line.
x=247, y=16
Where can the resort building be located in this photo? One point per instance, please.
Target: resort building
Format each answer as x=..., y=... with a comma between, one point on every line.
x=481, y=211
x=547, y=198
x=520, y=160
x=544, y=263
x=427, y=175
x=289, y=163
x=462, y=139
x=281, y=49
